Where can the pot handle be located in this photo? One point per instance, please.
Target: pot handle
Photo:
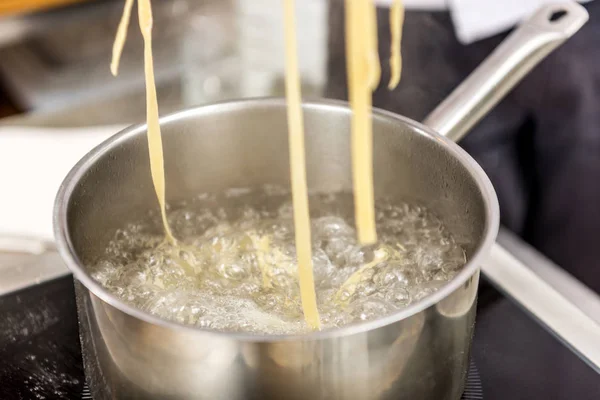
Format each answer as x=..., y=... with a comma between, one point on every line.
x=529, y=44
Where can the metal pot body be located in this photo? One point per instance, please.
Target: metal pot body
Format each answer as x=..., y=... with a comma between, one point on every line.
x=421, y=352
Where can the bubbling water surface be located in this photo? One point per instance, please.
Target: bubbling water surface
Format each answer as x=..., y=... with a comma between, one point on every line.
x=235, y=269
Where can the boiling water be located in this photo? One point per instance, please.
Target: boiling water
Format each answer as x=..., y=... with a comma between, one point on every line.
x=235, y=266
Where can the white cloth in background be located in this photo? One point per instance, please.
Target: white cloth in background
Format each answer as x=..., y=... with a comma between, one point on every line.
x=478, y=19
x=33, y=164
x=419, y=4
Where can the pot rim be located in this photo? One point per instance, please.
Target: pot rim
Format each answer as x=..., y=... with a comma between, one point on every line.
x=66, y=248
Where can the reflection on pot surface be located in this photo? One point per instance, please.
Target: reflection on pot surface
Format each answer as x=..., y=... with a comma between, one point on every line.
x=414, y=352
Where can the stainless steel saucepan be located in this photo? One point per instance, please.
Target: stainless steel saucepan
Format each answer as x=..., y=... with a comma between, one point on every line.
x=421, y=352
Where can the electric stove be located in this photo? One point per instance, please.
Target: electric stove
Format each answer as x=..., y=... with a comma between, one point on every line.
x=512, y=357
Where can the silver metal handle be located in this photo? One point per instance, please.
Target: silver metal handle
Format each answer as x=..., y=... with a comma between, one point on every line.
x=533, y=40
x=560, y=315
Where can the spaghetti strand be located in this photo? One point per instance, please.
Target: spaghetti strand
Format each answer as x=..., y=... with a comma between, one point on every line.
x=359, y=50
x=121, y=37
x=396, y=23
x=298, y=170
x=157, y=164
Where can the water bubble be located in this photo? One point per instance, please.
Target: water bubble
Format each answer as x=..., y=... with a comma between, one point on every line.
x=236, y=267
x=383, y=278
x=400, y=297
x=323, y=268
x=235, y=270
x=286, y=211
x=338, y=250
x=249, y=288
x=284, y=283
x=346, y=294
x=365, y=289
x=358, y=255
x=369, y=309
x=441, y=276
x=332, y=227
x=204, y=322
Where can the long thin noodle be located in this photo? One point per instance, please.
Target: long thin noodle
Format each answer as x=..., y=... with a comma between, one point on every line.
x=373, y=51
x=396, y=22
x=359, y=48
x=121, y=37
x=157, y=165
x=298, y=170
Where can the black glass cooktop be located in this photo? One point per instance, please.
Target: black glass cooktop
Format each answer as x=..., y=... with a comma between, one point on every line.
x=513, y=357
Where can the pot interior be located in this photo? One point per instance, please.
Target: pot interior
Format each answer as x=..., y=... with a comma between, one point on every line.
x=244, y=144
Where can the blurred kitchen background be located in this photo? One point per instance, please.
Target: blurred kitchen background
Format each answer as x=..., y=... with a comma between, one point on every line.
x=54, y=73
x=55, y=55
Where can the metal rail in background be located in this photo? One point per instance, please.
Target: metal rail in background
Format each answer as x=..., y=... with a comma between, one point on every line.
x=572, y=289
x=559, y=302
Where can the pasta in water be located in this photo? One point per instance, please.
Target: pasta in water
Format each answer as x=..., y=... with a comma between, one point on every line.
x=364, y=73
x=298, y=170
